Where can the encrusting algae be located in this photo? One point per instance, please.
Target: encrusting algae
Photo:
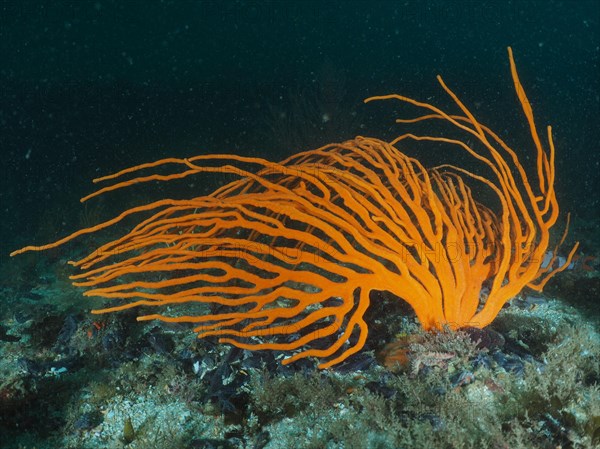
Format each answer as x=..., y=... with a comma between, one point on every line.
x=289, y=253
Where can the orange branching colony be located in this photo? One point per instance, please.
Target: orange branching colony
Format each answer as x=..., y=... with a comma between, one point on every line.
x=289, y=252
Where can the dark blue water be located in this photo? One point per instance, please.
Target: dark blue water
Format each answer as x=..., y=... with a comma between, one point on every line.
x=90, y=87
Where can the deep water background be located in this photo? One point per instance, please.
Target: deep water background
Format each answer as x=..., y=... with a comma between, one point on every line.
x=90, y=87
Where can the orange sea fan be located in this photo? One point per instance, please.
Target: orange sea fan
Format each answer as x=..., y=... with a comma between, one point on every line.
x=289, y=253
